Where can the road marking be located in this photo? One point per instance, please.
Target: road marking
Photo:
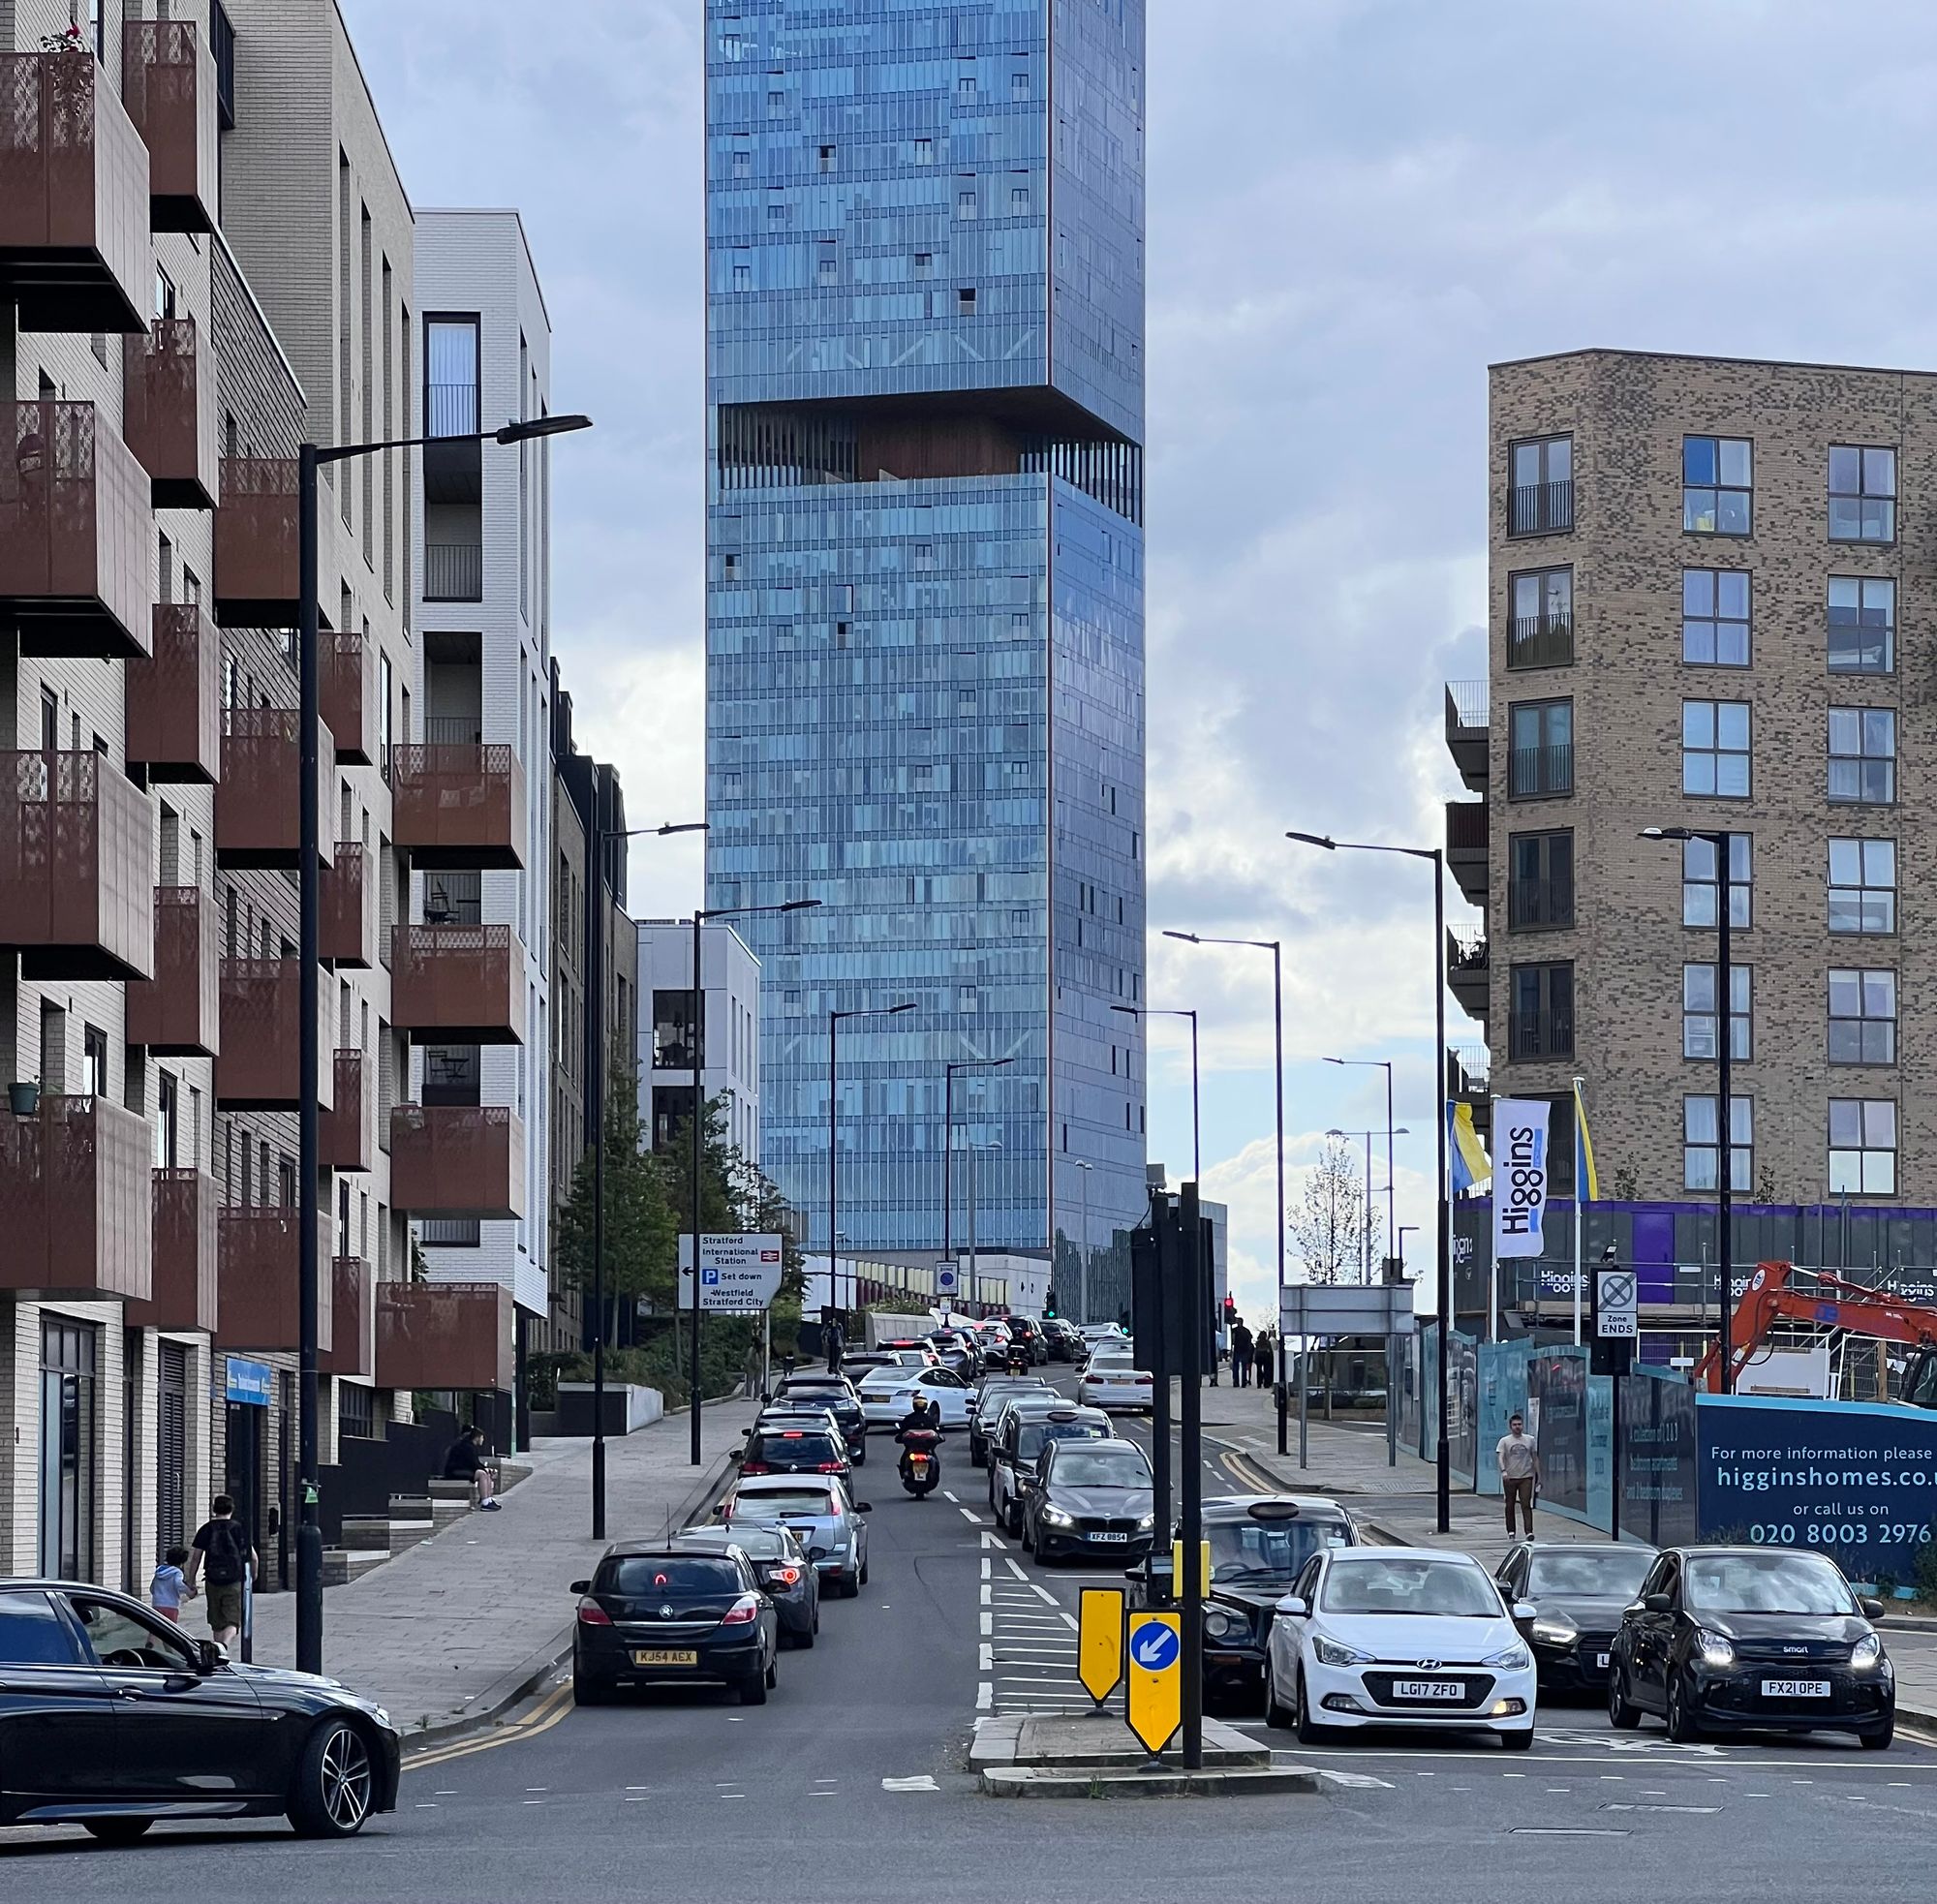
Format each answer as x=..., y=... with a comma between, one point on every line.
x=1703, y=1811
x=1015, y=1568
x=541, y=1718
x=996, y=1541
x=985, y=1566
x=1356, y=1780
x=987, y=1624
x=986, y=1660
x=986, y=1595
x=922, y=1783
x=985, y=1697
x=969, y=1514
x=947, y=1496
x=1566, y=1831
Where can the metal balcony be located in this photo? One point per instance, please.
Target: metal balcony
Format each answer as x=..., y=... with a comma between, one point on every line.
x=76, y=1202
x=186, y=1203
x=1540, y=642
x=258, y=1279
x=1468, y=974
x=258, y=821
x=353, y=1348
x=347, y=695
x=1466, y=847
x=1468, y=1073
x=256, y=533
x=173, y=717
x=178, y=1012
x=74, y=197
x=457, y=1160
x=457, y=985
x=345, y=1139
x=443, y=1336
x=256, y=1068
x=76, y=868
x=1466, y=732
x=77, y=534
x=453, y=571
x=168, y=414
x=347, y=910
x=1541, y=508
x=168, y=84
x=460, y=806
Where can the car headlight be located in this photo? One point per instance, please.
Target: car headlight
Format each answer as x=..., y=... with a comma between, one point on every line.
x=1148, y=1521
x=1866, y=1652
x=1219, y=1624
x=1331, y=1653
x=1556, y=1632
x=1056, y=1518
x=1510, y=1659
x=1715, y=1648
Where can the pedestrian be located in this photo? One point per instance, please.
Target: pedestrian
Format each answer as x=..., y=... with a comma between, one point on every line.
x=835, y=1340
x=464, y=1460
x=168, y=1587
x=221, y=1546
x=1520, y=1471
x=1240, y=1354
x=754, y=1372
x=1264, y=1352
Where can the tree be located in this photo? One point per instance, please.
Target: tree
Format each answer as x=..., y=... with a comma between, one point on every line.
x=1330, y=1227
x=641, y=1227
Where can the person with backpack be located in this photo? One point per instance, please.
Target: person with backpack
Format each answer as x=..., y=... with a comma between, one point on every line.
x=222, y=1548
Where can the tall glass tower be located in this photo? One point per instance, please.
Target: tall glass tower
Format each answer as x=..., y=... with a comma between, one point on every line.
x=924, y=618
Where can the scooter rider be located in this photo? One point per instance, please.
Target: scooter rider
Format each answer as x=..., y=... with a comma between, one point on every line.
x=924, y=1417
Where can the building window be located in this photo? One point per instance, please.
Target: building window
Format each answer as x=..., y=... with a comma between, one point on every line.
x=743, y=277
x=1540, y=495
x=826, y=158
x=1715, y=617
x=1019, y=200
x=1540, y=881
x=673, y=1039
x=777, y=105
x=452, y=363
x=1542, y=742
x=1701, y=887
x=1862, y=494
x=1717, y=485
x=826, y=264
x=1862, y=756
x=965, y=85
x=1019, y=85
x=1863, y=625
x=924, y=151
x=1701, y=1144
x=1698, y=1013
x=1862, y=1017
x=1862, y=1147
x=1715, y=749
x=967, y=206
x=965, y=301
x=924, y=264
x=1863, y=885
x=1540, y=627
x=1541, y=1012
x=743, y=163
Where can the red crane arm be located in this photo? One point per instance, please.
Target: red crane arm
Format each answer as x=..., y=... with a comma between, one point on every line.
x=1834, y=1304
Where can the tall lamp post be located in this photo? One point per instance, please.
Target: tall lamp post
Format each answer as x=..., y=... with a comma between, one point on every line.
x=1725, y=1124
x=1083, y=1244
x=1276, y=950
x=1384, y=1065
x=948, y=1070
x=310, y=458
x=1175, y=1011
x=700, y=915
x=834, y=1021
x=1444, y=1279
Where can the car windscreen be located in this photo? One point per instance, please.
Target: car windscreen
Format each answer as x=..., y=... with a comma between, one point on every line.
x=795, y=1446
x=1035, y=1436
x=634, y=1578
x=781, y=1503
x=1267, y=1551
x=1100, y=1468
x=1375, y=1585
x=1603, y=1576
x=1767, y=1583
x=755, y=1543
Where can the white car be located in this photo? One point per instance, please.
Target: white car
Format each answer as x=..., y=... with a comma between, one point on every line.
x=1111, y=1382
x=1398, y=1635
x=887, y=1394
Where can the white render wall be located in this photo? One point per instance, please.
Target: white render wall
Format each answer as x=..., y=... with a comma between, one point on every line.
x=733, y=1004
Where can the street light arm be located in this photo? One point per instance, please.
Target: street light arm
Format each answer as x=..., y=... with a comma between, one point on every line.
x=1332, y=845
x=525, y=431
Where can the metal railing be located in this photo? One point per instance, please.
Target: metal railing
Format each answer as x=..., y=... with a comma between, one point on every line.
x=1466, y=826
x=1541, y=508
x=1540, y=642
x=1469, y=1069
x=453, y=571
x=1533, y=903
x=453, y=730
x=450, y=410
x=1466, y=705
x=1541, y=770
x=1547, y=1032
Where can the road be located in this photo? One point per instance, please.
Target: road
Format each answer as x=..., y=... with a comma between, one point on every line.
x=849, y=1784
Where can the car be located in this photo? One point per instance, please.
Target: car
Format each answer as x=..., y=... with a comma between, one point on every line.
x=1032, y=1397
x=1752, y=1637
x=1020, y=1438
x=822, y=1514
x=1064, y=1343
x=954, y=1349
x=1113, y=1382
x=787, y=1576
x=986, y=1404
x=1027, y=1329
x=888, y=1394
x=814, y=1387
x=865, y=1362
x=1400, y=1637
x=779, y=1449
x=1577, y=1590
x=658, y=1614
x=111, y=1717
x=798, y=1414
x=1089, y=1498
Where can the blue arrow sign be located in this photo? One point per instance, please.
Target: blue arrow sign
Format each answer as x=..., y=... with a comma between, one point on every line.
x=1154, y=1648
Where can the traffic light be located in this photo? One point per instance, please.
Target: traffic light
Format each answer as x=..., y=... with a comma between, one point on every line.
x=1049, y=1310
x=1230, y=1310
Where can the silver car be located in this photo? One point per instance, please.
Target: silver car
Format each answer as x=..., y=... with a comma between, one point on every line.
x=822, y=1514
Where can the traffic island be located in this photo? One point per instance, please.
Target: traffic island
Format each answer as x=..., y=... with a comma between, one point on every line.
x=1098, y=1757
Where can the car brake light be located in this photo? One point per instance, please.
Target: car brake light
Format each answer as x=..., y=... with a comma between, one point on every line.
x=790, y=1434
x=829, y=1467
x=1143, y=1381
x=743, y=1609
x=787, y=1576
x=756, y=1467
x=591, y=1613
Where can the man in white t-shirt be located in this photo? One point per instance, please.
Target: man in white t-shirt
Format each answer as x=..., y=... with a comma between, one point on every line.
x=1519, y=1457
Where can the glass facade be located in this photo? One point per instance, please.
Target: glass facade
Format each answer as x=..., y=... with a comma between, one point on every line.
x=925, y=598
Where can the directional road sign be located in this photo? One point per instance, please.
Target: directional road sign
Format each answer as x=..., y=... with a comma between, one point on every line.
x=1155, y=1674
x=1616, y=1304
x=1099, y=1641
x=738, y=1275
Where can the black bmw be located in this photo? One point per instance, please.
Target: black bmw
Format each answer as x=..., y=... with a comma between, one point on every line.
x=1089, y=1498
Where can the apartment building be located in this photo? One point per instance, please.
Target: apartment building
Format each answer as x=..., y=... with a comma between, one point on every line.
x=729, y=1041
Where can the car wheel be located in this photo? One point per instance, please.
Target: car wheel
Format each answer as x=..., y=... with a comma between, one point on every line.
x=588, y=1692
x=1310, y=1731
x=1520, y=1741
x=1622, y=1714
x=753, y=1691
x=859, y=1457
x=1683, y=1728
x=773, y=1674
x=116, y=1831
x=1275, y=1714
x=1880, y=1739
x=335, y=1783
x=850, y=1589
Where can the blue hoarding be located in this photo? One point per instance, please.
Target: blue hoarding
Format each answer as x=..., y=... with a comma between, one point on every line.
x=248, y=1382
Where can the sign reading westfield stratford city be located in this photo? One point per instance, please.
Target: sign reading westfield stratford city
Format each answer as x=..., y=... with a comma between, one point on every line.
x=738, y=1275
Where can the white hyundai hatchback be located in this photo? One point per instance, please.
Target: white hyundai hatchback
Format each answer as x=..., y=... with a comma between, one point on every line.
x=1398, y=1635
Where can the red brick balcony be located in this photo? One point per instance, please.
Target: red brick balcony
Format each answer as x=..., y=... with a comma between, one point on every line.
x=457, y=985
x=184, y=1290
x=74, y=1201
x=178, y=1012
x=74, y=197
x=443, y=1336
x=255, y=1070
x=168, y=84
x=257, y=820
x=258, y=1278
x=168, y=414
x=353, y=1348
x=457, y=1160
x=347, y=915
x=77, y=534
x=347, y=693
x=255, y=543
x=76, y=868
x=173, y=718
x=345, y=1139
x=458, y=807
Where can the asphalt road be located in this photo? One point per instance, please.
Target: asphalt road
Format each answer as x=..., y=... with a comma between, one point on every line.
x=849, y=1785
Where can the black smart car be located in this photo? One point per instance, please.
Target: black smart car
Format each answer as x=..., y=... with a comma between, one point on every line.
x=788, y=1577
x=1578, y=1592
x=658, y=1614
x=1751, y=1638
x=112, y=1718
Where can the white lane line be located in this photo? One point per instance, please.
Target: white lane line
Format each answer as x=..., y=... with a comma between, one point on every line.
x=985, y=1697
x=1356, y=1780
x=985, y=1566
x=986, y=1599
x=988, y=1625
x=996, y=1541
x=923, y=1782
x=969, y=1514
x=947, y=1496
x=986, y=1658
x=1021, y=1576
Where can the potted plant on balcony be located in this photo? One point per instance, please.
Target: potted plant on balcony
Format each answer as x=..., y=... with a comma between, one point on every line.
x=24, y=1096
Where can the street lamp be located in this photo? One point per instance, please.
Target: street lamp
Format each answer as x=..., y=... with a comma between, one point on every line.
x=1083, y=1245
x=1174, y=1011
x=834, y=1019
x=1365, y=1235
x=1384, y=1065
x=948, y=1071
x=1444, y=1280
x=1276, y=950
x=310, y=458
x=974, y=1274
x=1725, y=1122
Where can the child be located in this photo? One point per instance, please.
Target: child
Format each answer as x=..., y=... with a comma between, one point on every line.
x=167, y=1588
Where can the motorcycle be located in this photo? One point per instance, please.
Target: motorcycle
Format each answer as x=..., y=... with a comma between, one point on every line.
x=921, y=1464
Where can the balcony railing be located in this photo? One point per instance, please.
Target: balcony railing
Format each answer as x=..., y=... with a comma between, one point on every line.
x=1469, y=1069
x=258, y=1304
x=168, y=84
x=258, y=820
x=256, y=534
x=168, y=407
x=76, y=533
x=1538, y=641
x=453, y=571
x=177, y=1013
x=345, y=1136
x=1538, y=772
x=461, y=984
x=347, y=913
x=443, y=1336
x=457, y=1160
x=173, y=718
x=256, y=1068
x=450, y=410
x=76, y=1205
x=353, y=1348
x=1540, y=508
x=1545, y=1033
x=348, y=694
x=1533, y=903
x=186, y=1203
x=461, y=806
x=76, y=868
x=1466, y=706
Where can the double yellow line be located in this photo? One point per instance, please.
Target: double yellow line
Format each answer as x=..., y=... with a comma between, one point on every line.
x=1246, y=1474
x=544, y=1715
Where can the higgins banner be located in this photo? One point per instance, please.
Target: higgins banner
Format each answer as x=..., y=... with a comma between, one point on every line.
x=1520, y=1176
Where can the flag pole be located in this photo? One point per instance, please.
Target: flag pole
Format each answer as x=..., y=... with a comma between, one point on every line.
x=1580, y=1207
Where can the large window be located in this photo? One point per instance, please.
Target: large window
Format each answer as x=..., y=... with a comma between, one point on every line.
x=673, y=1028
x=1715, y=749
x=1701, y=1144
x=1540, y=630
x=451, y=377
x=1862, y=756
x=1541, y=1012
x=1862, y=1017
x=1540, y=881
x=1541, y=737
x=1863, y=625
x=1715, y=617
x=1717, y=485
x=1699, y=1015
x=1862, y=1147
x=1863, y=885
x=1862, y=494
x=1540, y=495
x=1701, y=884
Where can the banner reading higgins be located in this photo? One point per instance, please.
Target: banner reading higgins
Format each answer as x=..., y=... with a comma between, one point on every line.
x=1857, y=1480
x=1520, y=1176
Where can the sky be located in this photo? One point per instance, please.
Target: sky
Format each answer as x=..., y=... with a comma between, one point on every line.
x=1354, y=207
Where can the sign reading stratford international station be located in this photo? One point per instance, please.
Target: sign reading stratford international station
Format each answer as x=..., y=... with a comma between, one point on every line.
x=1520, y=1175
x=738, y=1275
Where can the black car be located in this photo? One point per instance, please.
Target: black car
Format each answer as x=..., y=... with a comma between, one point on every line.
x=836, y=1394
x=1027, y=1331
x=658, y=1614
x=787, y=1575
x=774, y=1448
x=987, y=1404
x=1089, y=1498
x=1020, y=1436
x=112, y=1718
x=1064, y=1343
x=1577, y=1590
x=1752, y=1637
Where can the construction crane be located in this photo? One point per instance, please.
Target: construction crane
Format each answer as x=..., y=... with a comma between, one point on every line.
x=1829, y=1304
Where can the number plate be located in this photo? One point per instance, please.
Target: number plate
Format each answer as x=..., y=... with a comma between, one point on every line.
x=659, y=1656
x=1796, y=1689
x=1109, y=1537
x=1600, y=1662
x=1448, y=1689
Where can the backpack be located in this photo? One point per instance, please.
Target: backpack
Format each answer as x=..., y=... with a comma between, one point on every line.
x=227, y=1550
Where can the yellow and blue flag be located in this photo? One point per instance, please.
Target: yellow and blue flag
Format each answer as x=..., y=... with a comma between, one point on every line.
x=1586, y=1185
x=1466, y=1154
